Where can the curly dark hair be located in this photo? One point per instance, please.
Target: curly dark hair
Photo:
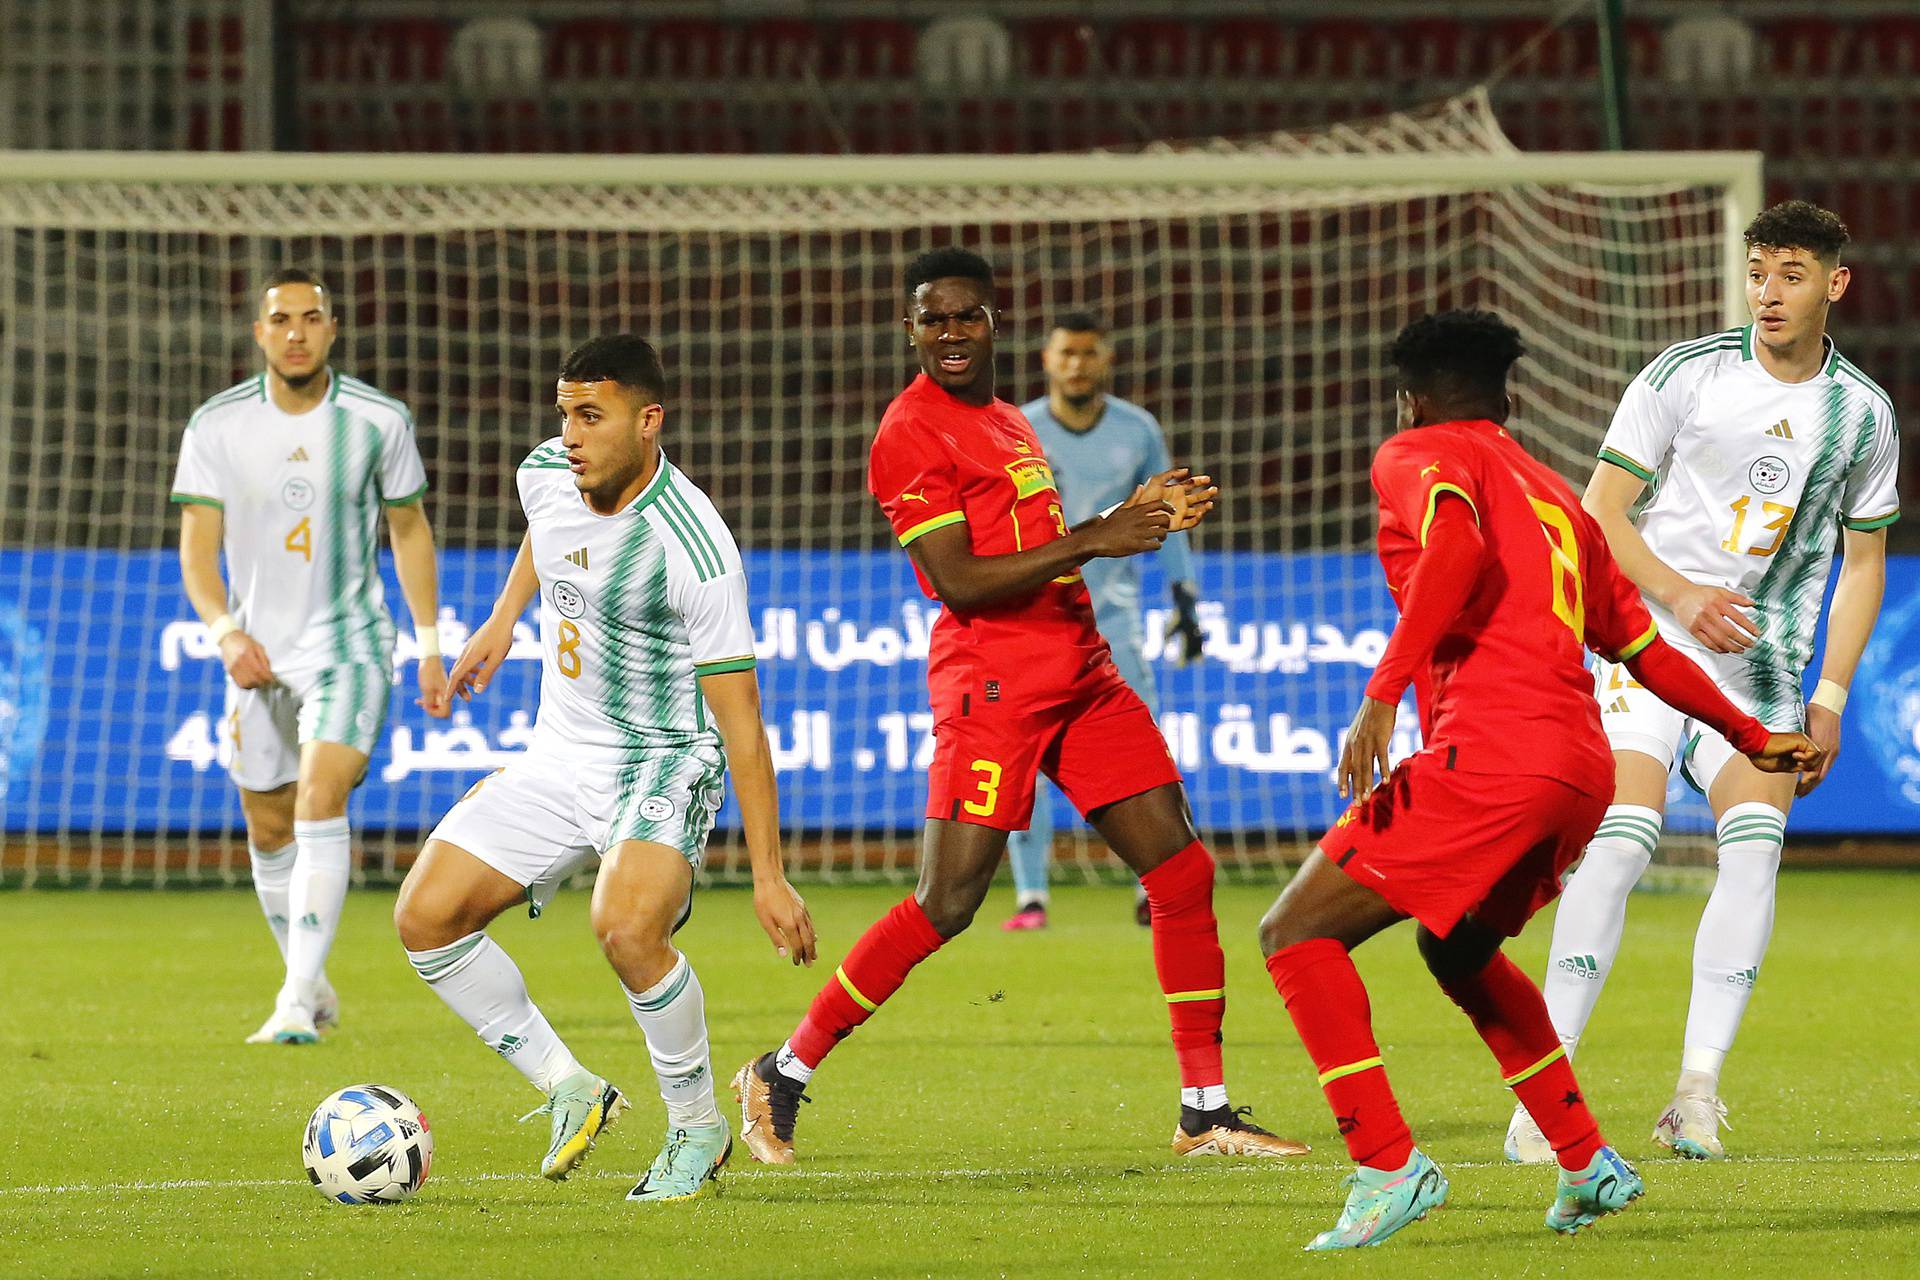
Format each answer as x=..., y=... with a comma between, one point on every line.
x=1798, y=224
x=940, y=264
x=1457, y=355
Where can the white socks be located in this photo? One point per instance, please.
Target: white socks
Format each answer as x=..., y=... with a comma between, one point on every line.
x=481, y=983
x=1210, y=1097
x=1593, y=914
x=672, y=1014
x=1733, y=935
x=788, y=1064
x=315, y=895
x=272, y=873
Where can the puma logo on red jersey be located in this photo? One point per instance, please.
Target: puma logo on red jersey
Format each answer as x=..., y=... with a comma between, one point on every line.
x=912, y=495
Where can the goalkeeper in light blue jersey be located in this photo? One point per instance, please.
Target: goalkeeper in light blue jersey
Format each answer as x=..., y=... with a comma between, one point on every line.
x=1100, y=447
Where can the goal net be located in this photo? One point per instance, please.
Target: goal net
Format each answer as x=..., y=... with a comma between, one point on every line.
x=1250, y=288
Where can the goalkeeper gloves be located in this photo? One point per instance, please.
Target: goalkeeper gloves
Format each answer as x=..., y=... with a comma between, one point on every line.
x=1183, y=629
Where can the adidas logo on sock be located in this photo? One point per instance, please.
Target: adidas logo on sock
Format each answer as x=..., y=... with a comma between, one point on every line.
x=1745, y=978
x=692, y=1078
x=311, y=920
x=510, y=1045
x=1581, y=966
x=578, y=557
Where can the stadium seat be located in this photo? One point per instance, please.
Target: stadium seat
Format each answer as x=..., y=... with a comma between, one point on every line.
x=1150, y=49
x=1053, y=48
x=1246, y=49
x=870, y=49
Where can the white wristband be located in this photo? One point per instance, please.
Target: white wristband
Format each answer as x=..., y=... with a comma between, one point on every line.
x=428, y=639
x=222, y=627
x=1830, y=695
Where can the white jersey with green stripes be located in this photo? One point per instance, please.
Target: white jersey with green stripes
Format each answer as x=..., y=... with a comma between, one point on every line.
x=300, y=498
x=634, y=608
x=1753, y=477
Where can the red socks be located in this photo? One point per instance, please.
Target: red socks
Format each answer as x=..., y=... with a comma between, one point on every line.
x=1510, y=1015
x=1188, y=961
x=1329, y=1008
x=872, y=971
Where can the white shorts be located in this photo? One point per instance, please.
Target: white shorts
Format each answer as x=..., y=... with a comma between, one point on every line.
x=1636, y=720
x=543, y=817
x=345, y=704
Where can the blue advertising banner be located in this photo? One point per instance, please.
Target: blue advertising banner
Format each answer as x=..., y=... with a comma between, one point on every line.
x=111, y=694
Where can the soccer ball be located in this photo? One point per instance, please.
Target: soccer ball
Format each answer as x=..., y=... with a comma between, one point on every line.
x=368, y=1144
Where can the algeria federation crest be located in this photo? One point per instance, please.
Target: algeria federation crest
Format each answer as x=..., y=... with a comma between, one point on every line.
x=1769, y=474
x=656, y=808
x=568, y=599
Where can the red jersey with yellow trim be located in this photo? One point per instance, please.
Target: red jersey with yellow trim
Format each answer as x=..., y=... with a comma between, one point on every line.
x=938, y=461
x=1508, y=690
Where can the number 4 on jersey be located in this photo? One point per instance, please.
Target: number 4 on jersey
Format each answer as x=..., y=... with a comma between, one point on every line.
x=300, y=539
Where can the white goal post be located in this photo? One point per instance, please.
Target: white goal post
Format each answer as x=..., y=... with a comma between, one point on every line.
x=1250, y=294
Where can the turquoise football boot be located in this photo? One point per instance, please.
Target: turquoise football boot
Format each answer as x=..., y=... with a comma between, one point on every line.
x=688, y=1165
x=1383, y=1201
x=1607, y=1185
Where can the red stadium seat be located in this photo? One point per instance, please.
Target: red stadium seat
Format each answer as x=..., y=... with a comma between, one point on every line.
x=1053, y=48
x=1150, y=49
x=688, y=49
x=779, y=50
x=593, y=49
x=870, y=49
x=1343, y=50
x=1246, y=49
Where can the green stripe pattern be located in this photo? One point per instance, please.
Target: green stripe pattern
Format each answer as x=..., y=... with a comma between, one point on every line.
x=1760, y=828
x=1633, y=828
x=442, y=961
x=1787, y=597
x=677, y=983
x=1662, y=370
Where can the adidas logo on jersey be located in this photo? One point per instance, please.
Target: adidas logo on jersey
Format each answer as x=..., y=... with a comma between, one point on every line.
x=578, y=557
x=298, y=455
x=1619, y=706
x=1781, y=430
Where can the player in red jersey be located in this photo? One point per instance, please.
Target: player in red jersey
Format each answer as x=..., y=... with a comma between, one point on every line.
x=1502, y=581
x=1020, y=682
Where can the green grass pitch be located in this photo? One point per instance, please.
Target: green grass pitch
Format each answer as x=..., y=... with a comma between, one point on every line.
x=1008, y=1113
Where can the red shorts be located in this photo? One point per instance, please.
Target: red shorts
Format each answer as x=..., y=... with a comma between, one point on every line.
x=1099, y=746
x=1439, y=844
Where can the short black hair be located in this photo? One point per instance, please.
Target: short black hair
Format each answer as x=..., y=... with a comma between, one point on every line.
x=1080, y=322
x=1457, y=355
x=1798, y=224
x=940, y=264
x=296, y=275
x=624, y=358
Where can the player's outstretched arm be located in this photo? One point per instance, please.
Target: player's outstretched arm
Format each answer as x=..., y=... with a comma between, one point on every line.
x=1713, y=615
x=734, y=699
x=413, y=560
x=1679, y=682
x=242, y=655
x=492, y=641
x=1436, y=591
x=1850, y=618
x=964, y=580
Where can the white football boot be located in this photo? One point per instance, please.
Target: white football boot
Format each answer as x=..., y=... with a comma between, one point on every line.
x=1690, y=1126
x=1525, y=1143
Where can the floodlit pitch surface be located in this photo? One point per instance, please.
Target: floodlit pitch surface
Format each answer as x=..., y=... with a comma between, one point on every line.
x=1007, y=1113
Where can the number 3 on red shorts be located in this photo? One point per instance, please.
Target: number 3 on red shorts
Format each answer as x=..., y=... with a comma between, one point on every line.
x=989, y=789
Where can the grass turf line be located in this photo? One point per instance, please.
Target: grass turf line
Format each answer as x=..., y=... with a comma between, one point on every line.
x=1007, y=1112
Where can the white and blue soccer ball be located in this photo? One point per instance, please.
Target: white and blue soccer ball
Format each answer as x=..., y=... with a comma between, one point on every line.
x=368, y=1144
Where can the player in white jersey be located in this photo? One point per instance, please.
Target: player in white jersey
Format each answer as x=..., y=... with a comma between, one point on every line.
x=647, y=691
x=1763, y=446
x=287, y=474
x=1101, y=449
